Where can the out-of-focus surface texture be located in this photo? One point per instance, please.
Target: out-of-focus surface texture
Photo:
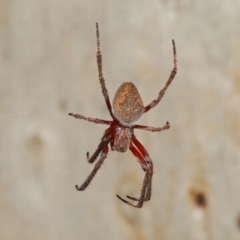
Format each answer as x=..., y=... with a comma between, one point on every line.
x=48, y=69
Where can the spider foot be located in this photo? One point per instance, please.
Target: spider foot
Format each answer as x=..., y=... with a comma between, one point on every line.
x=79, y=188
x=87, y=156
x=167, y=126
x=127, y=202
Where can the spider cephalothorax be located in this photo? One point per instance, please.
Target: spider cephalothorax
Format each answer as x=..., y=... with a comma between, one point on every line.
x=126, y=109
x=122, y=139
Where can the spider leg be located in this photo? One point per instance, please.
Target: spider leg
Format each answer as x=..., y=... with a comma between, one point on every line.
x=146, y=181
x=153, y=129
x=94, y=120
x=171, y=77
x=87, y=155
x=104, y=141
x=148, y=190
x=144, y=161
x=147, y=165
x=100, y=72
x=140, y=158
x=95, y=169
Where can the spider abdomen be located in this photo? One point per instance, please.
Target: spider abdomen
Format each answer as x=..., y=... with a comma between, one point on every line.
x=127, y=104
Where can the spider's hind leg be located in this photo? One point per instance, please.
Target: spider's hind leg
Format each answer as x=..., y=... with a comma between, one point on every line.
x=140, y=152
x=146, y=189
x=95, y=169
x=104, y=141
x=87, y=156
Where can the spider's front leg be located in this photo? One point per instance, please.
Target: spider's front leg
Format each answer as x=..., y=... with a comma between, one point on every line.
x=100, y=73
x=143, y=157
x=170, y=79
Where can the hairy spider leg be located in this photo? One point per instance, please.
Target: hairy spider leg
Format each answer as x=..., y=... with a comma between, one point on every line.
x=140, y=152
x=94, y=120
x=104, y=141
x=153, y=129
x=100, y=73
x=141, y=200
x=140, y=158
x=149, y=164
x=171, y=77
x=95, y=169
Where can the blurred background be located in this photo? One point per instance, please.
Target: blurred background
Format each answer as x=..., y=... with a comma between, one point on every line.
x=48, y=69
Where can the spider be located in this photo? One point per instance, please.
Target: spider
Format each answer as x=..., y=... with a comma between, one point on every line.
x=126, y=109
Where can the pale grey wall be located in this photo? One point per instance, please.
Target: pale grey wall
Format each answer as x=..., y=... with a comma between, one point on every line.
x=48, y=68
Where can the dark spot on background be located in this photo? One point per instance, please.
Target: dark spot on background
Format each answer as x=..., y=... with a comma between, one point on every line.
x=35, y=146
x=62, y=105
x=199, y=198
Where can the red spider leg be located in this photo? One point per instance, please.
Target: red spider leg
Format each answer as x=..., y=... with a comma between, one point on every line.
x=94, y=120
x=147, y=166
x=142, y=150
x=104, y=141
x=146, y=160
x=153, y=129
x=100, y=73
x=139, y=156
x=95, y=169
x=171, y=77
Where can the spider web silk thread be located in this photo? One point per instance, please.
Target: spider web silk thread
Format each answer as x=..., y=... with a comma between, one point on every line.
x=15, y=114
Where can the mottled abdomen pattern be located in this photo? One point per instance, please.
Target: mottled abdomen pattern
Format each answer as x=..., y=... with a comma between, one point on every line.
x=127, y=104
